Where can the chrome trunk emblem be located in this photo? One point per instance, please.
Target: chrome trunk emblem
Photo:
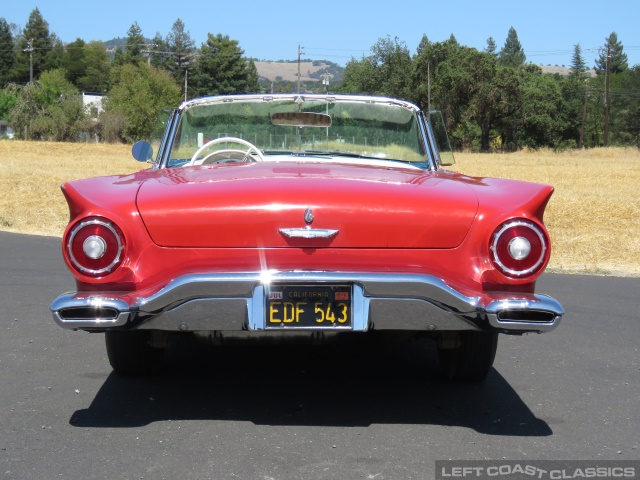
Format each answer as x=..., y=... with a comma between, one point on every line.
x=308, y=232
x=308, y=216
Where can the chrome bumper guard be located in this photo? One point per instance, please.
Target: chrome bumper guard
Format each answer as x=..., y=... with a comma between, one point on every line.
x=232, y=302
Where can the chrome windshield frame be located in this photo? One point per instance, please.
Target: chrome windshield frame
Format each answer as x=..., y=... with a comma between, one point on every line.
x=163, y=158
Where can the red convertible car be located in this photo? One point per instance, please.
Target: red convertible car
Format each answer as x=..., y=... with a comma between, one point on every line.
x=304, y=216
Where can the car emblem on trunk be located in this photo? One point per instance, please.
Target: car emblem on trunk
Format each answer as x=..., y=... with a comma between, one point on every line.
x=308, y=232
x=308, y=216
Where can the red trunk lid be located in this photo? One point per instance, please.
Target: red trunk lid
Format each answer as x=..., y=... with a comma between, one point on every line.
x=247, y=205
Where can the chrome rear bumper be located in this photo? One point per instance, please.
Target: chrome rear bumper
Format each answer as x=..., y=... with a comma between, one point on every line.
x=229, y=302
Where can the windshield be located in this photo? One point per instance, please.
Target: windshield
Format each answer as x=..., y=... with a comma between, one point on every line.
x=321, y=127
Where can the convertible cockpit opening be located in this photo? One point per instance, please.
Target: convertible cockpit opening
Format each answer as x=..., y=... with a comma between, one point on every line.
x=313, y=127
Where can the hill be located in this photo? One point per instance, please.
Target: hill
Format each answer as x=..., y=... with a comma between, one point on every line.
x=310, y=71
x=564, y=71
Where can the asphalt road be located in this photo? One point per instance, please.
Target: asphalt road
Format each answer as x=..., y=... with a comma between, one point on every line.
x=261, y=413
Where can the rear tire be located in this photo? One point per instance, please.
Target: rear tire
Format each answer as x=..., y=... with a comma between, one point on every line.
x=472, y=359
x=131, y=353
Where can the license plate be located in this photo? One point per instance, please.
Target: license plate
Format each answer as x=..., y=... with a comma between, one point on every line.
x=309, y=306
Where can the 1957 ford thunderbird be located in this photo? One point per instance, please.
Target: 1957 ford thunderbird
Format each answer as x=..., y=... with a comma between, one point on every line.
x=299, y=215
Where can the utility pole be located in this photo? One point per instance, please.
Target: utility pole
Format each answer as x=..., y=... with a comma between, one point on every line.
x=30, y=50
x=325, y=81
x=584, y=116
x=606, y=97
x=148, y=51
x=185, y=84
x=428, y=87
x=299, y=54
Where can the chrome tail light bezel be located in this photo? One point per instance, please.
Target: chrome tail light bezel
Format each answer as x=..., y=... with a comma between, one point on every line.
x=114, y=248
x=540, y=250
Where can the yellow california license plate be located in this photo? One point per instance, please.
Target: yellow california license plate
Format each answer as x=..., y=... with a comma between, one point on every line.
x=308, y=306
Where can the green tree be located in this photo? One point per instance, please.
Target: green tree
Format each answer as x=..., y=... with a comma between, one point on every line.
x=393, y=67
x=53, y=84
x=512, y=54
x=543, y=112
x=7, y=53
x=97, y=68
x=118, y=57
x=578, y=65
x=489, y=105
x=477, y=87
x=594, y=126
x=574, y=94
x=74, y=61
x=48, y=109
x=427, y=60
x=253, y=79
x=25, y=108
x=135, y=45
x=496, y=103
x=181, y=49
x=63, y=114
x=476, y=93
x=617, y=59
x=137, y=94
x=159, y=53
x=56, y=54
x=8, y=100
x=424, y=43
x=35, y=45
x=491, y=45
x=625, y=107
x=387, y=71
x=220, y=68
x=359, y=76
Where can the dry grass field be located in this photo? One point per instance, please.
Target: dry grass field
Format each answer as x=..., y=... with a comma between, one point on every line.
x=31, y=174
x=594, y=214
x=593, y=217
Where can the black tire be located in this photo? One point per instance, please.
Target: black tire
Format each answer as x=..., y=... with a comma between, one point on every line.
x=131, y=353
x=472, y=359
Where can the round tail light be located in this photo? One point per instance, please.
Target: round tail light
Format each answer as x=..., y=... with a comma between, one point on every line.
x=95, y=247
x=519, y=248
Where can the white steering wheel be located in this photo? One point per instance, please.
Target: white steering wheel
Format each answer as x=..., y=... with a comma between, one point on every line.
x=252, y=153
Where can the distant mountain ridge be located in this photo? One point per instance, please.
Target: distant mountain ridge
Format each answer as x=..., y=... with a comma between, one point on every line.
x=119, y=42
x=564, y=71
x=273, y=71
x=312, y=70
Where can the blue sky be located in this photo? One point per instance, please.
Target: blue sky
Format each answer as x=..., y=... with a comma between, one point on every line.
x=341, y=30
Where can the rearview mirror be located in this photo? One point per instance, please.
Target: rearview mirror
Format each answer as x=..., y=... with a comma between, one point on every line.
x=301, y=119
